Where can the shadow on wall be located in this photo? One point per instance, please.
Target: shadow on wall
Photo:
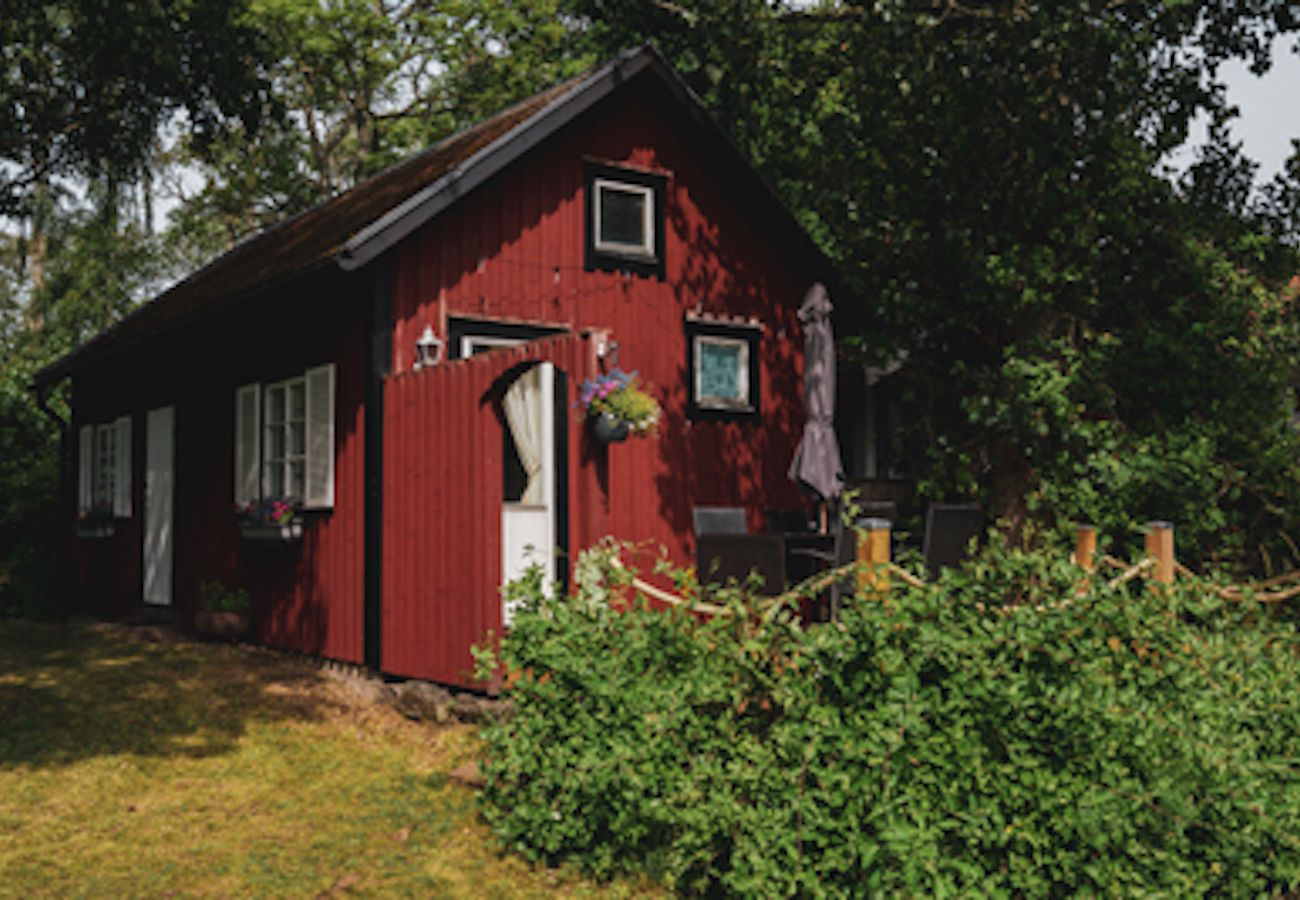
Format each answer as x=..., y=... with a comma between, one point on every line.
x=69, y=693
x=742, y=462
x=288, y=609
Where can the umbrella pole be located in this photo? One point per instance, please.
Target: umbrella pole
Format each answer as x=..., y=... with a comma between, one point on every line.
x=838, y=531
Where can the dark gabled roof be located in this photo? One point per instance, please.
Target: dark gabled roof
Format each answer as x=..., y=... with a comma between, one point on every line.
x=359, y=224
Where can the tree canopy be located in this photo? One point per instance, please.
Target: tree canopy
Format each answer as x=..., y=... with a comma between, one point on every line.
x=1087, y=335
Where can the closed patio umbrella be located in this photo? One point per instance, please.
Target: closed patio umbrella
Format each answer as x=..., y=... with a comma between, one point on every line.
x=816, y=462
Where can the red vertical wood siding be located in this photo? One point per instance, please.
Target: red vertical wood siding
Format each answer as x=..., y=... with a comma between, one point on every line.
x=306, y=597
x=513, y=250
x=443, y=502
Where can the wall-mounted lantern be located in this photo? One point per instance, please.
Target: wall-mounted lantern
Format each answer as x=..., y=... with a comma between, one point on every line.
x=428, y=349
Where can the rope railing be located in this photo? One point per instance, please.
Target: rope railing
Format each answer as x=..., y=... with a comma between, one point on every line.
x=873, y=569
x=1131, y=573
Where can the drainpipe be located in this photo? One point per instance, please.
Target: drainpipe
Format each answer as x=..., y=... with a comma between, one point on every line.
x=63, y=543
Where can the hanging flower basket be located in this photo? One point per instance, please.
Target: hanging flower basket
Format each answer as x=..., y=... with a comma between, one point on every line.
x=608, y=429
x=618, y=407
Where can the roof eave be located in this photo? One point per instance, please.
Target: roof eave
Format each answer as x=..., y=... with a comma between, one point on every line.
x=403, y=219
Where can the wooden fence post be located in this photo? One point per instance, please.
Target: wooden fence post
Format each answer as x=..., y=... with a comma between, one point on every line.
x=873, y=554
x=1085, y=547
x=1160, y=547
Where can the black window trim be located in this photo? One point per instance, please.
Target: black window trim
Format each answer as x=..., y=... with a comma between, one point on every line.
x=461, y=327
x=610, y=260
x=751, y=334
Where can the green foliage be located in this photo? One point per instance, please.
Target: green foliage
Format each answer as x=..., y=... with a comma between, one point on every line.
x=86, y=84
x=356, y=86
x=993, y=733
x=216, y=596
x=990, y=179
x=94, y=266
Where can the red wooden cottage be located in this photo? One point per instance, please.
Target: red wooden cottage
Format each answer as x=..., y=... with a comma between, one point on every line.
x=606, y=221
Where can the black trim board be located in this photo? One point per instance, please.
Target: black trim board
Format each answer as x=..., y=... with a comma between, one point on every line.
x=697, y=413
x=561, y=388
x=459, y=328
x=378, y=366
x=419, y=208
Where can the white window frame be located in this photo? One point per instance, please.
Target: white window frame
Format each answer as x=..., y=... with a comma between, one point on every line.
x=286, y=462
x=712, y=401
x=104, y=468
x=646, y=249
x=253, y=464
x=470, y=342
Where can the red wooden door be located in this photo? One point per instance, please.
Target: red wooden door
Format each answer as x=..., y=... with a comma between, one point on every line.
x=443, y=461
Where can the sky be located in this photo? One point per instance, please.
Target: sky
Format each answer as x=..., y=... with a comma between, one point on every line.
x=1270, y=111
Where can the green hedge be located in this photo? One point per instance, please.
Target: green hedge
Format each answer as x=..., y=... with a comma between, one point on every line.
x=936, y=742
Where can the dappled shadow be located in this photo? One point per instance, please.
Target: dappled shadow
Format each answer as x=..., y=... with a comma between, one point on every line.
x=74, y=692
x=734, y=267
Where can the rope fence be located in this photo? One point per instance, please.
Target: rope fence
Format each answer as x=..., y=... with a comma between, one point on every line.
x=873, y=570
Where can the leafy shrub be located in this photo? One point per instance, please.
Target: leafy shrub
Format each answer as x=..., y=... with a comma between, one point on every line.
x=935, y=741
x=216, y=596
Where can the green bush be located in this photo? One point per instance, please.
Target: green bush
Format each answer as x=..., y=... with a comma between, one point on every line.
x=935, y=742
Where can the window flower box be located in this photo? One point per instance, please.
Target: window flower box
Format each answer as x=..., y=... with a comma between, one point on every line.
x=286, y=532
x=275, y=521
x=96, y=530
x=96, y=524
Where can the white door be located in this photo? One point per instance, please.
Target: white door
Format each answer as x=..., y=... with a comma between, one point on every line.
x=159, y=536
x=528, y=513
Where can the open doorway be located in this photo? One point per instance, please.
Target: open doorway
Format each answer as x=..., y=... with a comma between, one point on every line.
x=530, y=462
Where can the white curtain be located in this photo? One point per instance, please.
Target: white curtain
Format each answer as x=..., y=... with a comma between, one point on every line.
x=523, y=409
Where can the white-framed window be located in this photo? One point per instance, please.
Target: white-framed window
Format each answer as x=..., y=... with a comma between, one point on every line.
x=624, y=217
x=722, y=370
x=284, y=440
x=104, y=468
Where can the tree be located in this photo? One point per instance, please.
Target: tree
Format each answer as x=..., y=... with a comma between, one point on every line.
x=988, y=176
x=356, y=86
x=86, y=84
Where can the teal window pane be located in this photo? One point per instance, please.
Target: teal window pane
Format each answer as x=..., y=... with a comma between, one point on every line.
x=720, y=371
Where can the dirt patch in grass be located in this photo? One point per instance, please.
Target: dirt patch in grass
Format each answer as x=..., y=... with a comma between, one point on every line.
x=132, y=763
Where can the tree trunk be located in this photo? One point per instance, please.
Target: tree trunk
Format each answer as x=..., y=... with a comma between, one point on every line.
x=1010, y=477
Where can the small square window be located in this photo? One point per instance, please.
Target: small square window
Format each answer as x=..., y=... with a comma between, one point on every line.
x=625, y=220
x=722, y=368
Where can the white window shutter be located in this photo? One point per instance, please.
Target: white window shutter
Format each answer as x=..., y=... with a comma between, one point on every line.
x=248, y=431
x=86, y=468
x=320, y=437
x=122, y=479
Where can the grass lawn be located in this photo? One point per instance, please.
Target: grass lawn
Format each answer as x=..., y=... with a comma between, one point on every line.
x=131, y=766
